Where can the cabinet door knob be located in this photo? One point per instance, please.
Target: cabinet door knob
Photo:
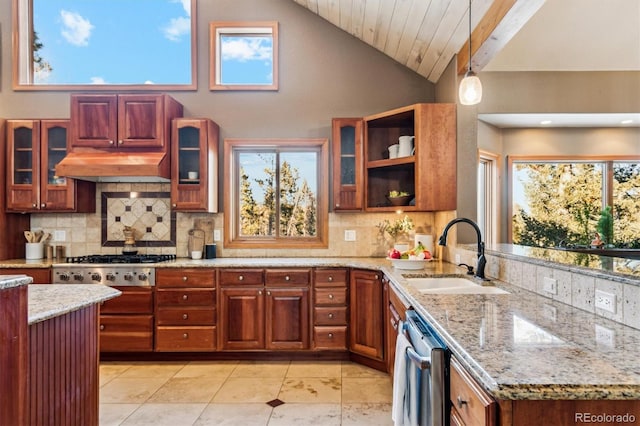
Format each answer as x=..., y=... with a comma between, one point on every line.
x=330, y=335
x=460, y=401
x=330, y=279
x=268, y=293
x=240, y=277
x=184, y=278
x=120, y=142
x=259, y=292
x=287, y=278
x=185, y=336
x=185, y=297
x=43, y=205
x=34, y=205
x=101, y=327
x=174, y=205
x=331, y=296
x=185, y=316
x=377, y=277
x=110, y=142
x=330, y=314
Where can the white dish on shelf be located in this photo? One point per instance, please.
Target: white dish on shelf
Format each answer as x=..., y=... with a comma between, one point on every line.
x=409, y=263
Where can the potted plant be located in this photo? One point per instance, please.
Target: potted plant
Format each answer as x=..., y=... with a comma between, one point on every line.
x=396, y=230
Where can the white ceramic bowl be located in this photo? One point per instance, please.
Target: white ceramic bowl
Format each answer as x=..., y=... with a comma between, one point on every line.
x=409, y=263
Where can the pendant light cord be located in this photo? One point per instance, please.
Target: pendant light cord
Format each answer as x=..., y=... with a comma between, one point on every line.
x=469, y=35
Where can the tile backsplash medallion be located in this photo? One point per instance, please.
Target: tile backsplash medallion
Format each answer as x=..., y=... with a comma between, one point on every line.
x=146, y=207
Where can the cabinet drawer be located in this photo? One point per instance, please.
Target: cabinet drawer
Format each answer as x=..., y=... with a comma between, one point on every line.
x=185, y=277
x=126, y=333
x=241, y=277
x=186, y=297
x=186, y=338
x=330, y=337
x=287, y=277
x=330, y=315
x=331, y=296
x=186, y=316
x=134, y=300
x=330, y=277
x=473, y=405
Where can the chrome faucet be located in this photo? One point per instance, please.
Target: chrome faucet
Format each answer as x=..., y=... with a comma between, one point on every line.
x=482, y=261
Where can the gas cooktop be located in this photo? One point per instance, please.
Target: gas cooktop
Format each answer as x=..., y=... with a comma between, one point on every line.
x=122, y=258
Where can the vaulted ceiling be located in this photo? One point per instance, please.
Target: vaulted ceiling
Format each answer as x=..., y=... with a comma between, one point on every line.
x=425, y=35
x=508, y=35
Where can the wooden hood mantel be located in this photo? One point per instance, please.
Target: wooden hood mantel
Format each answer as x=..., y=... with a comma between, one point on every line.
x=116, y=167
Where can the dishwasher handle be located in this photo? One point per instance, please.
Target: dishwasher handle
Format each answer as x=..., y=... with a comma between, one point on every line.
x=422, y=362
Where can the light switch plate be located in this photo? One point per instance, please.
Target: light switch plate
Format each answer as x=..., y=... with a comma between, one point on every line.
x=349, y=235
x=59, y=235
x=216, y=235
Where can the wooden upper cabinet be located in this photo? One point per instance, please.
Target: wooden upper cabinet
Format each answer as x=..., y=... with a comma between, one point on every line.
x=194, y=169
x=429, y=173
x=348, y=178
x=137, y=122
x=34, y=148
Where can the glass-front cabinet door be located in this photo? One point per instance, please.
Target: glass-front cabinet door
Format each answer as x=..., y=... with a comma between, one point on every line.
x=23, y=174
x=56, y=191
x=347, y=147
x=194, y=180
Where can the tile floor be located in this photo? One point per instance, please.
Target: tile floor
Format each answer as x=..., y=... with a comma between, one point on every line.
x=243, y=393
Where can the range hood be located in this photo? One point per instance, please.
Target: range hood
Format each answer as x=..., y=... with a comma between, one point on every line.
x=116, y=167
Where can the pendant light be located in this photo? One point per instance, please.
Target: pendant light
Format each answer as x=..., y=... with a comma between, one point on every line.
x=470, y=92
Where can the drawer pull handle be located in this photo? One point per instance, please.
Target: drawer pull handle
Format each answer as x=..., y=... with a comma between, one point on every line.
x=331, y=296
x=185, y=297
x=330, y=315
x=185, y=336
x=330, y=279
x=184, y=278
x=101, y=326
x=330, y=335
x=240, y=277
x=185, y=316
x=461, y=401
x=287, y=278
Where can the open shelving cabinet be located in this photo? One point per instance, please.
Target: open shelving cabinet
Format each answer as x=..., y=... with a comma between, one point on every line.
x=429, y=174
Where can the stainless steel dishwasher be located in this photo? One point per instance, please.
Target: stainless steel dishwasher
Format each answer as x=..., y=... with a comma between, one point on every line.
x=426, y=364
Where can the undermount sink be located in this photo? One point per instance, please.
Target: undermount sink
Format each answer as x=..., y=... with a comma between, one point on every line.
x=452, y=285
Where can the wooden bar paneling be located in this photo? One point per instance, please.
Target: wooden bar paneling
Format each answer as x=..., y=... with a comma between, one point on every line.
x=13, y=356
x=63, y=370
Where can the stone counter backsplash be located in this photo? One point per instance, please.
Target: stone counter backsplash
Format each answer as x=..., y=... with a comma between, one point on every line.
x=96, y=233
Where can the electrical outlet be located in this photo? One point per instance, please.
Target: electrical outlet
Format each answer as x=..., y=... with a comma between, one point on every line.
x=605, y=336
x=606, y=301
x=216, y=235
x=550, y=285
x=458, y=261
x=349, y=235
x=59, y=235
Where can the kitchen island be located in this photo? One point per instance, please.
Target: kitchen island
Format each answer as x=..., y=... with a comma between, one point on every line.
x=49, y=357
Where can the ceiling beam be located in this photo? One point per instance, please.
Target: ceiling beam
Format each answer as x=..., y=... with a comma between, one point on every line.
x=498, y=26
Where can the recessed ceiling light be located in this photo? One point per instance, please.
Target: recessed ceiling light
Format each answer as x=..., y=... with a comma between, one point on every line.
x=626, y=122
x=545, y=122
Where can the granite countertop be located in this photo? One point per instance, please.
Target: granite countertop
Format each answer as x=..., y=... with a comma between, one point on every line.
x=51, y=300
x=525, y=346
x=8, y=281
x=518, y=346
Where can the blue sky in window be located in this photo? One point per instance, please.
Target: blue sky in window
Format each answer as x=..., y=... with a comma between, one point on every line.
x=94, y=42
x=246, y=59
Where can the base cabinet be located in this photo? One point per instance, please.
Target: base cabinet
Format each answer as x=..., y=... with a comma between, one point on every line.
x=126, y=322
x=394, y=313
x=264, y=309
x=185, y=310
x=39, y=275
x=330, y=309
x=366, y=335
x=470, y=404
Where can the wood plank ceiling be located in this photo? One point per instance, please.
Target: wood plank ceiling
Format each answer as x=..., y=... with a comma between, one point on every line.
x=425, y=35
